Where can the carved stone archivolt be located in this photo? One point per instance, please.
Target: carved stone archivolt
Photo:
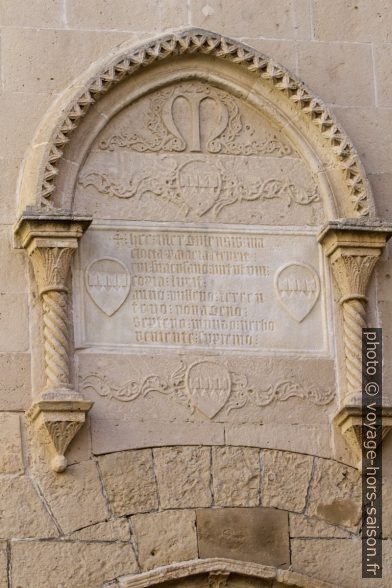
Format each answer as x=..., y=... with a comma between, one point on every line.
x=353, y=249
x=50, y=243
x=217, y=573
x=42, y=166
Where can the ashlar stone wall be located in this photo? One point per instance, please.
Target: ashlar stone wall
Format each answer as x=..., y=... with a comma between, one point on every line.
x=112, y=515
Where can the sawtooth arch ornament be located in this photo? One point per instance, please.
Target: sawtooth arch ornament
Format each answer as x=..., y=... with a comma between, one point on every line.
x=305, y=118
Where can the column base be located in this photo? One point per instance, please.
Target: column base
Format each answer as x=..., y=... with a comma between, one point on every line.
x=59, y=414
x=349, y=420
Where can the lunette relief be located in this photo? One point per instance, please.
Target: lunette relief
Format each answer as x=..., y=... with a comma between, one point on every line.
x=199, y=153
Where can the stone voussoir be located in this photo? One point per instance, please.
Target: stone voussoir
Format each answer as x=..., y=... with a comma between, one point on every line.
x=183, y=476
x=129, y=481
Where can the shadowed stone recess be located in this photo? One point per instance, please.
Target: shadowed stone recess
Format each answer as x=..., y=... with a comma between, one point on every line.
x=260, y=535
x=335, y=494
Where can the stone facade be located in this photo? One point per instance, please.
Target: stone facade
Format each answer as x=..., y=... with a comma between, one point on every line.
x=211, y=438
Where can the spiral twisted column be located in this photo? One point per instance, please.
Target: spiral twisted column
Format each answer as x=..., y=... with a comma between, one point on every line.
x=352, y=269
x=353, y=248
x=51, y=242
x=354, y=320
x=56, y=339
x=51, y=267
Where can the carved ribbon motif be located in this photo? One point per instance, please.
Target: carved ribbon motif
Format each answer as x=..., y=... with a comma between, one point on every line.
x=228, y=135
x=222, y=187
x=208, y=387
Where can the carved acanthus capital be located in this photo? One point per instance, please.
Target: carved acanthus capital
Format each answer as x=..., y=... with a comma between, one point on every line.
x=50, y=241
x=352, y=271
x=353, y=247
x=51, y=264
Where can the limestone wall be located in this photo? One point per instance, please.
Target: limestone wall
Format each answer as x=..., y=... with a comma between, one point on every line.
x=111, y=515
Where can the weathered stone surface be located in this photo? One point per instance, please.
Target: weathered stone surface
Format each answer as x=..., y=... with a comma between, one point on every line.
x=387, y=486
x=3, y=565
x=341, y=73
x=10, y=443
x=28, y=109
x=335, y=494
x=13, y=272
x=165, y=537
x=286, y=479
x=140, y=16
x=236, y=476
x=308, y=438
x=23, y=513
x=38, y=13
x=303, y=526
x=75, y=497
x=290, y=578
x=249, y=534
x=370, y=129
x=380, y=185
x=338, y=561
x=9, y=168
x=119, y=435
x=14, y=322
x=250, y=17
x=15, y=381
x=183, y=476
x=129, y=481
x=383, y=71
x=352, y=20
x=40, y=72
x=114, y=530
x=69, y=564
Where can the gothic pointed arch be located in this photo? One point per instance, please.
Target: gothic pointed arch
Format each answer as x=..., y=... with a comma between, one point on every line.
x=64, y=137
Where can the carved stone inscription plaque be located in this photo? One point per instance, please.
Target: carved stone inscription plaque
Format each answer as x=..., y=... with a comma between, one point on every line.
x=223, y=288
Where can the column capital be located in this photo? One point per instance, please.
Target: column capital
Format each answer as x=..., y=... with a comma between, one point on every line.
x=61, y=228
x=354, y=234
x=353, y=247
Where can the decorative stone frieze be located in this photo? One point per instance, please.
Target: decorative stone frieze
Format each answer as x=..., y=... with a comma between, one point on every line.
x=353, y=248
x=50, y=241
